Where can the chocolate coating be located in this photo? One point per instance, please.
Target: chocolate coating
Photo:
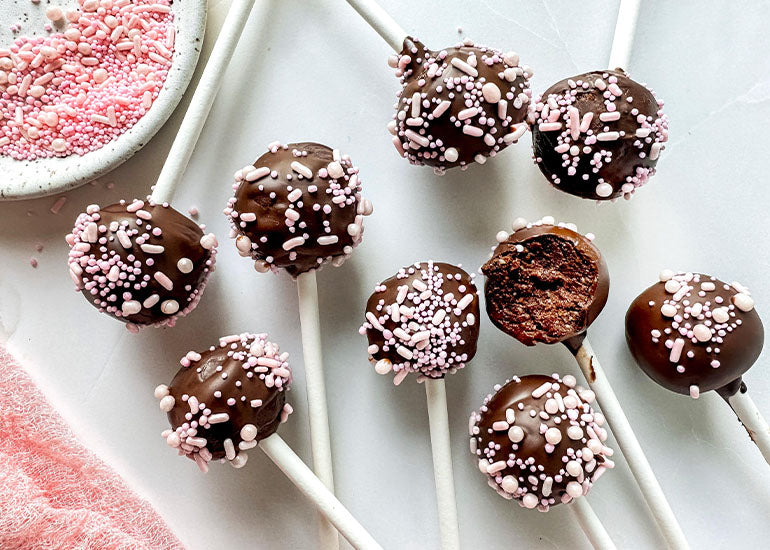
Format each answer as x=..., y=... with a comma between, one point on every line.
x=547, y=427
x=139, y=262
x=226, y=399
x=472, y=103
x=298, y=207
x=598, y=135
x=693, y=333
x=423, y=320
x=545, y=283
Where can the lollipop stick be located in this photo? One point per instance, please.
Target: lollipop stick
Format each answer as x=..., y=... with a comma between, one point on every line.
x=320, y=443
x=591, y=524
x=296, y=470
x=435, y=390
x=201, y=102
x=630, y=447
x=625, y=28
x=382, y=23
x=752, y=420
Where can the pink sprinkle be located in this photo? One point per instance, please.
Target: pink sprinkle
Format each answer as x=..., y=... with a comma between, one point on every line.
x=57, y=206
x=33, y=262
x=193, y=211
x=74, y=91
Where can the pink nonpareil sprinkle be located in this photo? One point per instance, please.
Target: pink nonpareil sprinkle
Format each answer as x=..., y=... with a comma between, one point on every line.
x=74, y=91
x=33, y=262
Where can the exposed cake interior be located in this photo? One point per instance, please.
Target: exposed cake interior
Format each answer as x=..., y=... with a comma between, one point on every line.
x=541, y=290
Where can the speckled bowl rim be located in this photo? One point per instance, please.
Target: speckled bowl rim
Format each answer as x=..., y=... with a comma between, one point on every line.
x=42, y=177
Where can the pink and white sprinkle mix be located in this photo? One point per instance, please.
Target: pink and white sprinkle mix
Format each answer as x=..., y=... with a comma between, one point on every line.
x=75, y=91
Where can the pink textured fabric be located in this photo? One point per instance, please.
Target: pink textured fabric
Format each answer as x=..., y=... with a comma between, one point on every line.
x=55, y=493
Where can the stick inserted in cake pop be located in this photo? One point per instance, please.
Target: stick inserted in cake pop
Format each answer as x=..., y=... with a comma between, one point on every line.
x=424, y=320
x=547, y=283
x=692, y=333
x=625, y=30
x=382, y=23
x=201, y=102
x=232, y=397
x=298, y=207
x=539, y=442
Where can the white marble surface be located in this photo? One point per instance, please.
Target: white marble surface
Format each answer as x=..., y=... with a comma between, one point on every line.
x=312, y=70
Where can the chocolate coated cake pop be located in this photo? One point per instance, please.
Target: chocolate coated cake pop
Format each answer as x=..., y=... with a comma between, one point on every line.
x=140, y=262
x=458, y=105
x=693, y=333
x=545, y=283
x=539, y=441
x=298, y=207
x=598, y=135
x=224, y=400
x=423, y=320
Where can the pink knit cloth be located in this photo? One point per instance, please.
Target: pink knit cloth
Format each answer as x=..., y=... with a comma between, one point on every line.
x=55, y=493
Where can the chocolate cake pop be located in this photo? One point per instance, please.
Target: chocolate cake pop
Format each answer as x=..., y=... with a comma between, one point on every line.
x=298, y=207
x=423, y=320
x=539, y=440
x=545, y=282
x=226, y=399
x=458, y=105
x=693, y=333
x=598, y=135
x=140, y=262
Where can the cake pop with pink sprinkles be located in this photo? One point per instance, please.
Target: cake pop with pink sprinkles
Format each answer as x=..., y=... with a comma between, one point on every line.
x=140, y=262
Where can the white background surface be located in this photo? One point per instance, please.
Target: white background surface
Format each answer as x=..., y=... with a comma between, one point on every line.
x=311, y=70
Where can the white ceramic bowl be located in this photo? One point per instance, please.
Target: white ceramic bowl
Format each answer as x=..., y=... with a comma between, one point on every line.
x=29, y=179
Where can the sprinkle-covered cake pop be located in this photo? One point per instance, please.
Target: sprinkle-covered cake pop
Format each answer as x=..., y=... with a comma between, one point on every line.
x=298, y=207
x=545, y=282
x=140, y=262
x=224, y=400
x=539, y=441
x=458, y=105
x=423, y=320
x=693, y=333
x=598, y=135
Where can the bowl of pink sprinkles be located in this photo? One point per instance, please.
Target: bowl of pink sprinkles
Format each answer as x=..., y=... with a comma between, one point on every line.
x=85, y=84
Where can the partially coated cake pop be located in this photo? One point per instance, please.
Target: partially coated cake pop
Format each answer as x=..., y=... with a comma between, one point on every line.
x=545, y=282
x=598, y=135
x=693, y=333
x=423, y=320
x=140, y=262
x=539, y=441
x=298, y=207
x=458, y=105
x=224, y=400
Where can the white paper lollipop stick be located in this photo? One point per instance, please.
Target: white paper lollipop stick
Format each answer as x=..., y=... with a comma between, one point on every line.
x=382, y=23
x=752, y=420
x=630, y=447
x=320, y=441
x=438, y=417
x=625, y=28
x=591, y=524
x=203, y=98
x=296, y=470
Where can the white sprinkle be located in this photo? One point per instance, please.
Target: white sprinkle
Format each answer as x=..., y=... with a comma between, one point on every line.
x=327, y=240
x=608, y=136
x=301, y=169
x=257, y=174
x=609, y=116
x=464, y=67
x=185, y=265
x=152, y=249
x=219, y=418
x=293, y=243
